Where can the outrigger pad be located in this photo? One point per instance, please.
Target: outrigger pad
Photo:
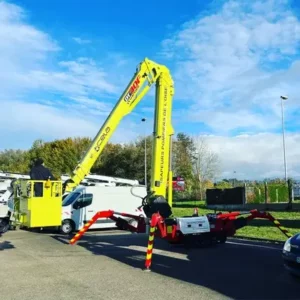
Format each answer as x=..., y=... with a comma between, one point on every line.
x=158, y=204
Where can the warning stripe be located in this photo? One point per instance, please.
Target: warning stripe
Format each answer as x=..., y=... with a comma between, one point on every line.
x=81, y=232
x=169, y=229
x=282, y=228
x=150, y=248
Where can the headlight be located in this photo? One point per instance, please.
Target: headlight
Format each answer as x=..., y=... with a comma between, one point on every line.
x=287, y=245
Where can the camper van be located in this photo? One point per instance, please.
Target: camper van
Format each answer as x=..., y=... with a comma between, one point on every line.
x=102, y=180
x=4, y=192
x=84, y=202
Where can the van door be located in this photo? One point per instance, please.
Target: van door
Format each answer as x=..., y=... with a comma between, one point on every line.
x=83, y=211
x=89, y=208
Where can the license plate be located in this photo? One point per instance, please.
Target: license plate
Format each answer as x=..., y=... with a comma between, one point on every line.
x=298, y=260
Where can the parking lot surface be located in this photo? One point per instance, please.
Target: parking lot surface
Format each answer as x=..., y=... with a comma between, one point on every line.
x=108, y=265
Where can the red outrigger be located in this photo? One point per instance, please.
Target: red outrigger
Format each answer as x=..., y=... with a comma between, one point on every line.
x=191, y=231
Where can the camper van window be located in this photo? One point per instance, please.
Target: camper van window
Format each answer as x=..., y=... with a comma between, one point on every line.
x=70, y=199
x=83, y=201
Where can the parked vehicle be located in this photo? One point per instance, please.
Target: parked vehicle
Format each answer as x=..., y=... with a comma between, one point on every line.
x=80, y=206
x=178, y=184
x=4, y=218
x=291, y=255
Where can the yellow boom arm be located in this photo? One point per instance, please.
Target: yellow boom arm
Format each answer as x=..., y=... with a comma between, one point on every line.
x=147, y=73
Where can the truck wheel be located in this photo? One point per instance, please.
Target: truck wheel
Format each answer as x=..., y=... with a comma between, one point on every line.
x=67, y=227
x=222, y=239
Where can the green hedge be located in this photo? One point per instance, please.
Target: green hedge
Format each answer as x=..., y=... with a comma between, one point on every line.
x=258, y=194
x=282, y=193
x=255, y=193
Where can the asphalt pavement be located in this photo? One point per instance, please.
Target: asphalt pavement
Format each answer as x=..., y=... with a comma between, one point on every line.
x=108, y=265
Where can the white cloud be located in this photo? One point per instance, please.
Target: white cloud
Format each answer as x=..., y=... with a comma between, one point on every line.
x=81, y=41
x=230, y=68
x=236, y=62
x=80, y=77
x=21, y=47
x=41, y=97
x=23, y=122
x=256, y=156
x=27, y=64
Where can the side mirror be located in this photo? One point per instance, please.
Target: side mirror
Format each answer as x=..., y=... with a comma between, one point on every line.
x=76, y=205
x=88, y=202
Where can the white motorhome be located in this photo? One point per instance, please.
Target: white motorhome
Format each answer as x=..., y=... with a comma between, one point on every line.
x=104, y=180
x=4, y=193
x=84, y=202
x=5, y=182
x=4, y=210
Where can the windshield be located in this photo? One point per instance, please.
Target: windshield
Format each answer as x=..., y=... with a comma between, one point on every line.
x=70, y=199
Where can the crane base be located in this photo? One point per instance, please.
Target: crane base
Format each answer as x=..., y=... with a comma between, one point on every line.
x=192, y=231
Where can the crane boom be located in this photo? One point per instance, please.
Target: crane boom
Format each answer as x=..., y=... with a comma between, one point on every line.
x=147, y=73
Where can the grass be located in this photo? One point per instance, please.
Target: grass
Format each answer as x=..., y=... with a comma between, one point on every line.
x=258, y=228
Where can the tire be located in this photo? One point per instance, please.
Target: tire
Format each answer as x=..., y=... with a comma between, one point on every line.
x=222, y=239
x=4, y=225
x=67, y=227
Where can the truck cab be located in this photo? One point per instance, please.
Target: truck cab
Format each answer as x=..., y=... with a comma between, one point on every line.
x=79, y=206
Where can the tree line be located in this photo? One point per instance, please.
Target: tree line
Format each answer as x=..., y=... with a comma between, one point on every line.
x=191, y=158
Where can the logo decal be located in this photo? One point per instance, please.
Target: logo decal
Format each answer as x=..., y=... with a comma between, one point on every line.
x=101, y=139
x=132, y=89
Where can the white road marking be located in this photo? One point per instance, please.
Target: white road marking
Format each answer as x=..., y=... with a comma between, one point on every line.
x=253, y=245
x=143, y=251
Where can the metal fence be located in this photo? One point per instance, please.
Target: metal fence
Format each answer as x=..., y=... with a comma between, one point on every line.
x=262, y=193
x=268, y=193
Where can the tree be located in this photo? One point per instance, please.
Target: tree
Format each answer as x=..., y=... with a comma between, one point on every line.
x=126, y=160
x=61, y=156
x=223, y=184
x=183, y=149
x=14, y=161
x=206, y=165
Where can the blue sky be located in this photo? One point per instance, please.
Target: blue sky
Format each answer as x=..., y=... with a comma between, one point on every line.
x=66, y=63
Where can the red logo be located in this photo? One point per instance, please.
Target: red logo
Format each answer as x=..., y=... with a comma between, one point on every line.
x=132, y=89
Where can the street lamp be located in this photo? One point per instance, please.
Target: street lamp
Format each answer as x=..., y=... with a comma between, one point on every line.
x=283, y=135
x=145, y=162
x=234, y=172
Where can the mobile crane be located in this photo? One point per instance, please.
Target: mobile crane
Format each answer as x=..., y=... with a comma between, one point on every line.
x=156, y=205
x=190, y=230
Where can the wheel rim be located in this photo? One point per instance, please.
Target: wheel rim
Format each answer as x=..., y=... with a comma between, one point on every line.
x=133, y=223
x=66, y=227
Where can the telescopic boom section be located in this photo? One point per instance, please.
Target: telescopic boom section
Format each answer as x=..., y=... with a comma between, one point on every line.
x=147, y=73
x=162, y=135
